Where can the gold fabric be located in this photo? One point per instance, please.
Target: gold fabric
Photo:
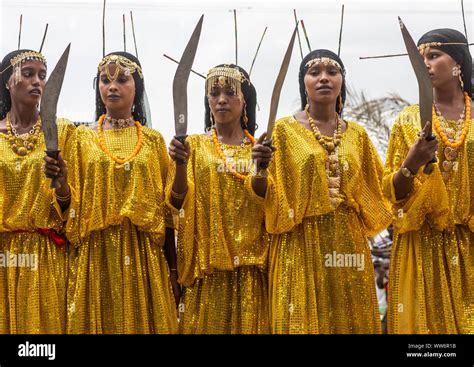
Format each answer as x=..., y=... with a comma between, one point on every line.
x=321, y=278
x=119, y=280
x=430, y=287
x=236, y=303
x=33, y=269
x=221, y=231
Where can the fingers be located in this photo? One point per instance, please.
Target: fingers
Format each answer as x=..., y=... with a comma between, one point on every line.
x=178, y=150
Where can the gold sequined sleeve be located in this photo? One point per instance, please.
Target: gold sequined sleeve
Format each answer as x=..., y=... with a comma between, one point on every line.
x=366, y=190
x=66, y=131
x=297, y=184
x=185, y=220
x=427, y=199
x=27, y=201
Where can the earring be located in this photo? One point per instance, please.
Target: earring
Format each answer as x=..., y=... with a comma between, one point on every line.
x=133, y=108
x=307, y=101
x=6, y=86
x=341, y=104
x=245, y=117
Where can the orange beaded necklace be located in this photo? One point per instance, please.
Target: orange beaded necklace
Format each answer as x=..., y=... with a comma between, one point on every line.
x=465, y=129
x=102, y=145
x=222, y=156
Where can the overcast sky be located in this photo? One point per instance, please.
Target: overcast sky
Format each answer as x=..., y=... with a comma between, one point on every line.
x=370, y=28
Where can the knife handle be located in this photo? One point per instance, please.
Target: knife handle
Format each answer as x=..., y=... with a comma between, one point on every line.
x=429, y=166
x=182, y=140
x=267, y=143
x=55, y=155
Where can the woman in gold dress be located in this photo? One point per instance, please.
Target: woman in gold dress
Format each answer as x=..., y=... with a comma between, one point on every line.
x=117, y=221
x=33, y=256
x=222, y=245
x=431, y=273
x=322, y=200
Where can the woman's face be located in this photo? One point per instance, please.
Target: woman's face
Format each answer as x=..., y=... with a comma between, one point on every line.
x=31, y=87
x=226, y=107
x=440, y=66
x=323, y=83
x=118, y=94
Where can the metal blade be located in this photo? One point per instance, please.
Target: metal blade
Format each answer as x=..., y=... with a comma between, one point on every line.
x=278, y=85
x=180, y=82
x=425, y=87
x=49, y=102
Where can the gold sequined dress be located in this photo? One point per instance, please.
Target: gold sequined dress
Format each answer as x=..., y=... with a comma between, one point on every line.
x=119, y=280
x=33, y=268
x=320, y=272
x=222, y=245
x=431, y=271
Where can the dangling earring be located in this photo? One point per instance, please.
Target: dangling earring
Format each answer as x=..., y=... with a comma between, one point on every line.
x=341, y=104
x=307, y=101
x=245, y=118
x=133, y=108
x=457, y=73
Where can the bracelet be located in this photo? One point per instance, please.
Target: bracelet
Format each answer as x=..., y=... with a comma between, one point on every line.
x=63, y=198
x=177, y=196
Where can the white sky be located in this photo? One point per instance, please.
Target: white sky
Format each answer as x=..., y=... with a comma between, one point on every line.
x=370, y=28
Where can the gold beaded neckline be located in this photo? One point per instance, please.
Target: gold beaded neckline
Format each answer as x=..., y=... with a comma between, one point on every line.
x=331, y=147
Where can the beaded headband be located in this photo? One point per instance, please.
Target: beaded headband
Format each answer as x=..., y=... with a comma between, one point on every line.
x=225, y=75
x=325, y=61
x=425, y=46
x=17, y=62
x=123, y=64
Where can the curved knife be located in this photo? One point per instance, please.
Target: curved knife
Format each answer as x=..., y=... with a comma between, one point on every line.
x=48, y=107
x=180, y=84
x=425, y=88
x=276, y=95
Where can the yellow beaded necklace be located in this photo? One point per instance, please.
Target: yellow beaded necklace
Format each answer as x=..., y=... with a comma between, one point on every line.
x=103, y=146
x=223, y=157
x=467, y=121
x=28, y=143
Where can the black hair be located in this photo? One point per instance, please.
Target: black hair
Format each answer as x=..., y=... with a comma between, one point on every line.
x=303, y=69
x=459, y=53
x=138, y=109
x=250, y=97
x=7, y=71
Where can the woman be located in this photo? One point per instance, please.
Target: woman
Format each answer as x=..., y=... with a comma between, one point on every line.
x=322, y=200
x=432, y=256
x=222, y=246
x=120, y=281
x=33, y=257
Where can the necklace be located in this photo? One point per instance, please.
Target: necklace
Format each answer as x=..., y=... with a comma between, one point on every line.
x=120, y=123
x=453, y=137
x=224, y=157
x=103, y=146
x=27, y=141
x=331, y=147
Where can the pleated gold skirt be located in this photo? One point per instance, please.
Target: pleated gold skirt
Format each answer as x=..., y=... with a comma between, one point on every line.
x=227, y=302
x=119, y=284
x=33, y=282
x=431, y=282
